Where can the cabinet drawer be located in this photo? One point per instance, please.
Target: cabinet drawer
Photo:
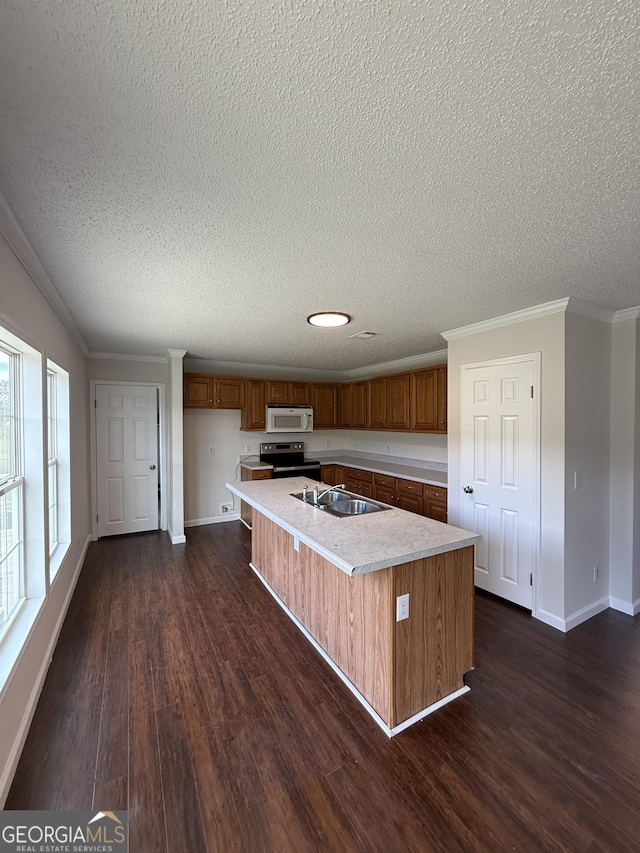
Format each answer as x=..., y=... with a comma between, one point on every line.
x=362, y=476
x=384, y=481
x=408, y=487
x=435, y=493
x=262, y=474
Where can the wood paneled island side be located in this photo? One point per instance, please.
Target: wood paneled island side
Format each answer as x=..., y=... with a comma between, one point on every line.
x=339, y=578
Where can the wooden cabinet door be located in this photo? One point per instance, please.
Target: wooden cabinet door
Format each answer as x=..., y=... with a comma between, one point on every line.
x=442, y=399
x=398, y=401
x=253, y=415
x=435, y=502
x=384, y=488
x=409, y=495
x=377, y=403
x=299, y=393
x=277, y=392
x=283, y=393
x=351, y=481
x=198, y=392
x=345, y=408
x=424, y=400
x=429, y=400
x=324, y=399
x=228, y=392
x=359, y=405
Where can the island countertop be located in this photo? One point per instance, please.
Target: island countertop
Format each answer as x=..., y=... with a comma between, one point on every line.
x=355, y=544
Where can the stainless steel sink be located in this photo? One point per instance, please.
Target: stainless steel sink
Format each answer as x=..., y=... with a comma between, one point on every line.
x=354, y=506
x=343, y=504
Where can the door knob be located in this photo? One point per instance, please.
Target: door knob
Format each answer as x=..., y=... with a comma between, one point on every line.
x=468, y=490
x=153, y=467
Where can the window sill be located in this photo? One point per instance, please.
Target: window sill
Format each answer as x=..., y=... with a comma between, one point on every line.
x=14, y=643
x=57, y=559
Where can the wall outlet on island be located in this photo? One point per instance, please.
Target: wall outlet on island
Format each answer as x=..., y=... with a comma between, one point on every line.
x=402, y=607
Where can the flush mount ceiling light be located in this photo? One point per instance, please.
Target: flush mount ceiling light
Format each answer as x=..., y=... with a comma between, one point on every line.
x=329, y=319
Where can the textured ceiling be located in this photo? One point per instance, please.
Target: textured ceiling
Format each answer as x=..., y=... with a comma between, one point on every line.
x=202, y=174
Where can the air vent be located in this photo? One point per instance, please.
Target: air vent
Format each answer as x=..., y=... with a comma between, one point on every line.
x=363, y=335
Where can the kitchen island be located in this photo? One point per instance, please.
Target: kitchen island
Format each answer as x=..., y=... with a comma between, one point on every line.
x=339, y=580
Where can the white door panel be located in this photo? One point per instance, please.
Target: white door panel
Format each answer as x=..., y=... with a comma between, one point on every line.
x=127, y=459
x=498, y=467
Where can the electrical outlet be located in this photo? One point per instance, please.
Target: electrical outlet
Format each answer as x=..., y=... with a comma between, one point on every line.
x=357, y=444
x=596, y=574
x=388, y=448
x=327, y=444
x=402, y=607
x=212, y=450
x=226, y=508
x=247, y=448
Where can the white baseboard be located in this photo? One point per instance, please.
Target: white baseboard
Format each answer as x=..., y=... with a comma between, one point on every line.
x=216, y=519
x=550, y=619
x=586, y=613
x=176, y=540
x=8, y=771
x=631, y=608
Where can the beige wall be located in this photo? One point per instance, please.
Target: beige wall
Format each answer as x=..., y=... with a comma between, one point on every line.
x=30, y=316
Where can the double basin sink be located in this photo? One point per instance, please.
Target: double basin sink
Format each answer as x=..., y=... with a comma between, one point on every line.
x=342, y=504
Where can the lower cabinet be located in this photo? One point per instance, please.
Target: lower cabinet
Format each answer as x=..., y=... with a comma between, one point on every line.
x=435, y=502
x=249, y=474
x=360, y=482
x=421, y=498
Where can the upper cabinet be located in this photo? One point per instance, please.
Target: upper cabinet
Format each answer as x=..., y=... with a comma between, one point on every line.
x=353, y=405
x=388, y=402
x=253, y=415
x=324, y=401
x=288, y=393
x=213, y=392
x=429, y=400
x=198, y=391
x=415, y=401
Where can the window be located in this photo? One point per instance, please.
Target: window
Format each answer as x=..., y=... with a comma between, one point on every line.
x=52, y=462
x=12, y=580
x=58, y=465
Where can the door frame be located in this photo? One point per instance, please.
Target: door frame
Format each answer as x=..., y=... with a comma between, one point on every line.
x=536, y=361
x=93, y=447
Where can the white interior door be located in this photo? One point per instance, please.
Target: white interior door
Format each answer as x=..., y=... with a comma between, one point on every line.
x=127, y=458
x=499, y=472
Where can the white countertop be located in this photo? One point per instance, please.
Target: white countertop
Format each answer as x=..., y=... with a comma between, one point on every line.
x=355, y=544
x=392, y=469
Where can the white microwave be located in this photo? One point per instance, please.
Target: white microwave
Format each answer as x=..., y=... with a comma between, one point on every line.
x=289, y=419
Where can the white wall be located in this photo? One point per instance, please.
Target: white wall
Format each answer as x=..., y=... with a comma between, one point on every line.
x=587, y=449
x=624, y=549
x=23, y=305
x=545, y=334
x=206, y=473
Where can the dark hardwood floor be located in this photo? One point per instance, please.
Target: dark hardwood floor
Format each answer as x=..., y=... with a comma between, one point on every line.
x=181, y=692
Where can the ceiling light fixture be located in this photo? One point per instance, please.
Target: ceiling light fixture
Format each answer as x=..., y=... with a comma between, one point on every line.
x=329, y=319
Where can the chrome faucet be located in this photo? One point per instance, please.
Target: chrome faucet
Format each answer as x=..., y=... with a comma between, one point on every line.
x=316, y=496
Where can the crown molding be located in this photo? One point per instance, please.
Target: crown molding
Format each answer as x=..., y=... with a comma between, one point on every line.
x=175, y=353
x=544, y=310
x=626, y=314
x=413, y=362
x=122, y=356
x=17, y=240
